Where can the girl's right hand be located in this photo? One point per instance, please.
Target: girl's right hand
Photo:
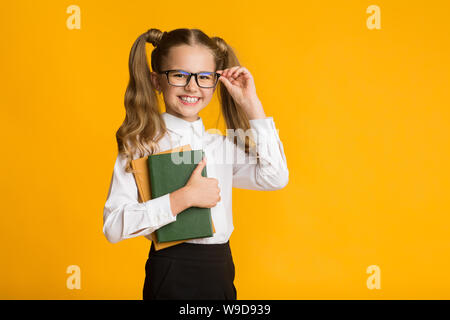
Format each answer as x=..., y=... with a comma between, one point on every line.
x=203, y=192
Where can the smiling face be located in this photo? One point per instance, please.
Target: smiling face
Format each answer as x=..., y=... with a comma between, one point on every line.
x=190, y=59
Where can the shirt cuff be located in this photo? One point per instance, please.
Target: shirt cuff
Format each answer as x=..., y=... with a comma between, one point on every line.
x=147, y=217
x=159, y=209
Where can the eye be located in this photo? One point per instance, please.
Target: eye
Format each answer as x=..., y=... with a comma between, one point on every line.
x=205, y=76
x=179, y=74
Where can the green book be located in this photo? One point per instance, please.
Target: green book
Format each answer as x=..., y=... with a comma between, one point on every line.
x=167, y=175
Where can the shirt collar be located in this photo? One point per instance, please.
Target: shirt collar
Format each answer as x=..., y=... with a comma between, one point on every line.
x=183, y=127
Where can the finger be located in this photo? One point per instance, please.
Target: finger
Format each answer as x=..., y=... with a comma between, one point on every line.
x=234, y=70
x=228, y=71
x=228, y=83
x=200, y=166
x=242, y=71
x=225, y=82
x=222, y=72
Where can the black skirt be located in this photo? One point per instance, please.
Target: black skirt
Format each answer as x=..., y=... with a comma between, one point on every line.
x=189, y=271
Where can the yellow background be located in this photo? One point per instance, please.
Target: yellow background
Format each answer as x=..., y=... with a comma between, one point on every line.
x=363, y=115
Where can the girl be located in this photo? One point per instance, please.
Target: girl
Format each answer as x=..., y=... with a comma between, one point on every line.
x=187, y=67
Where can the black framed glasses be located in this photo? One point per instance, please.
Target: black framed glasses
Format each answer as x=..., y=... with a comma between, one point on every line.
x=181, y=78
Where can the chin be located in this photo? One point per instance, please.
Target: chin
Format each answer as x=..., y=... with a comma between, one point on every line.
x=186, y=111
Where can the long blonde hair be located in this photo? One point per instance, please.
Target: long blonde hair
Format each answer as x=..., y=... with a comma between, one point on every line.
x=144, y=126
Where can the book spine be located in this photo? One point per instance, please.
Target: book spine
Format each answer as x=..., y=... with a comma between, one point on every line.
x=153, y=186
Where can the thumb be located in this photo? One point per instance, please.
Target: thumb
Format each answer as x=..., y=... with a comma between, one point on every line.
x=225, y=82
x=200, y=166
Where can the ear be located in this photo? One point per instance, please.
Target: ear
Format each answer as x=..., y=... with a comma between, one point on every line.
x=155, y=80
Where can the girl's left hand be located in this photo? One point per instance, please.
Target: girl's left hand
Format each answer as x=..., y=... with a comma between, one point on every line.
x=241, y=86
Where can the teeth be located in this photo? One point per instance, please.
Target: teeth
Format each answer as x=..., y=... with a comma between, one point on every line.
x=190, y=100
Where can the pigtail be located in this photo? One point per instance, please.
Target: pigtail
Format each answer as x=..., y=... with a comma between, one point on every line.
x=142, y=121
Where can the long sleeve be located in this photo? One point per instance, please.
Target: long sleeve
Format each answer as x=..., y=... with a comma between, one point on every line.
x=269, y=171
x=123, y=216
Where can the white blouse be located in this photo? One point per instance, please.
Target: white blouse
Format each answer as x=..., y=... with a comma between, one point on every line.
x=123, y=215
